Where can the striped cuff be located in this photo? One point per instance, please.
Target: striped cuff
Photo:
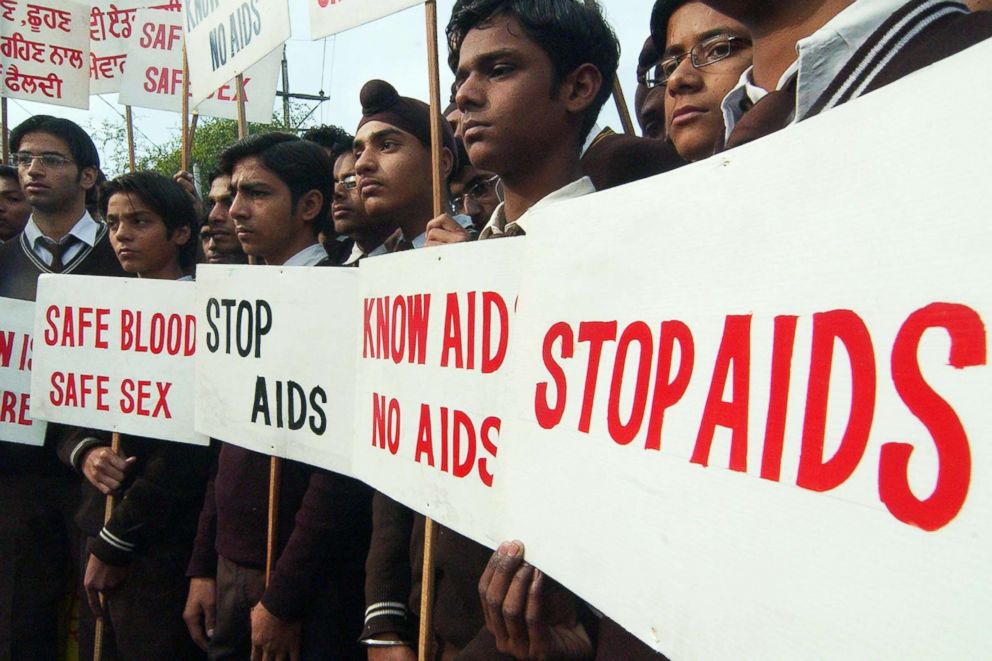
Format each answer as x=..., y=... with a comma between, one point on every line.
x=389, y=617
x=78, y=452
x=111, y=549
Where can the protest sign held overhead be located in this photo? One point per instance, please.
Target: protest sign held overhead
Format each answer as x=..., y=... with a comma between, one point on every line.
x=16, y=331
x=154, y=74
x=792, y=430
x=111, y=24
x=329, y=17
x=225, y=37
x=434, y=379
x=116, y=354
x=44, y=51
x=263, y=379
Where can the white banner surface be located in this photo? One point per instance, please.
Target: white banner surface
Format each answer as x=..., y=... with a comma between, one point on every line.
x=116, y=354
x=275, y=373
x=225, y=37
x=329, y=17
x=16, y=331
x=434, y=379
x=153, y=77
x=110, y=27
x=44, y=49
x=755, y=418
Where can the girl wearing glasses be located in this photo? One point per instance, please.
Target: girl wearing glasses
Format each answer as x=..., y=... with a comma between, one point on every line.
x=705, y=53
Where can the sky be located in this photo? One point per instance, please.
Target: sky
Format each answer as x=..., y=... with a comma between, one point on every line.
x=392, y=48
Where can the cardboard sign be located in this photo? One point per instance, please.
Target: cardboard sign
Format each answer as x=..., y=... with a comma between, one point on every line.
x=44, y=48
x=154, y=74
x=16, y=331
x=329, y=17
x=756, y=418
x=225, y=37
x=274, y=372
x=111, y=25
x=116, y=354
x=434, y=379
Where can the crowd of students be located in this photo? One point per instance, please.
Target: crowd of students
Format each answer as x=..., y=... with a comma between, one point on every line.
x=178, y=570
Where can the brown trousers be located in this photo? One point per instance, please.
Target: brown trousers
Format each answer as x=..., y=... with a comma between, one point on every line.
x=143, y=618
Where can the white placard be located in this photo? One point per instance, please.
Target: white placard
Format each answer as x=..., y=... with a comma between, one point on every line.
x=434, y=379
x=44, y=50
x=116, y=354
x=274, y=372
x=153, y=77
x=226, y=37
x=329, y=17
x=110, y=27
x=16, y=331
x=809, y=477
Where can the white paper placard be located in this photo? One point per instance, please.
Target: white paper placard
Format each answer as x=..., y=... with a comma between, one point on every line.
x=116, y=354
x=16, y=331
x=329, y=17
x=274, y=373
x=153, y=77
x=44, y=50
x=809, y=476
x=226, y=37
x=434, y=379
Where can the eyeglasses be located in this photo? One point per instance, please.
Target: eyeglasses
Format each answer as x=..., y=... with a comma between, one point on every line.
x=701, y=55
x=23, y=159
x=478, y=191
x=349, y=181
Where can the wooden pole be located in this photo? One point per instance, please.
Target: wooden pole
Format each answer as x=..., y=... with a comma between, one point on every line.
x=129, y=122
x=108, y=510
x=425, y=644
x=195, y=117
x=628, y=126
x=242, y=122
x=184, y=149
x=3, y=130
x=272, y=540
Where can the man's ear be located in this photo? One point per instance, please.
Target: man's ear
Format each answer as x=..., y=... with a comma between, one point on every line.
x=310, y=204
x=580, y=87
x=88, y=177
x=447, y=163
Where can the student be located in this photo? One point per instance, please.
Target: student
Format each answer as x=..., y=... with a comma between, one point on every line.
x=823, y=53
x=335, y=141
x=474, y=193
x=142, y=550
x=226, y=247
x=57, y=164
x=14, y=207
x=703, y=56
x=348, y=213
x=649, y=103
x=393, y=162
x=281, y=190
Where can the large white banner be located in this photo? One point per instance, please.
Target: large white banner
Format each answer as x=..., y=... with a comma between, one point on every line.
x=753, y=404
x=153, y=77
x=225, y=37
x=44, y=50
x=329, y=17
x=116, y=354
x=433, y=379
x=16, y=331
x=275, y=372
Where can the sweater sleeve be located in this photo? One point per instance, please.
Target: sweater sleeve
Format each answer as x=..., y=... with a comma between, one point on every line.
x=203, y=561
x=167, y=477
x=388, y=571
x=332, y=523
x=72, y=443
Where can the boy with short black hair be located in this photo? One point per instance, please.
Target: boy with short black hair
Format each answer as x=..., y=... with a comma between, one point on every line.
x=311, y=607
x=143, y=548
x=14, y=207
x=58, y=165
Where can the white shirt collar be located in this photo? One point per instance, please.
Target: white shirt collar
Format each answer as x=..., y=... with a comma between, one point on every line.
x=357, y=254
x=820, y=58
x=309, y=256
x=497, y=224
x=86, y=230
x=419, y=241
x=591, y=138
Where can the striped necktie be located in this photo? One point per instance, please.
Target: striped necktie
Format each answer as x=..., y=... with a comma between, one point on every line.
x=58, y=248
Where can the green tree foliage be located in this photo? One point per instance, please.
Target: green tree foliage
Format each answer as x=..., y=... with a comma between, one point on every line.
x=213, y=135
